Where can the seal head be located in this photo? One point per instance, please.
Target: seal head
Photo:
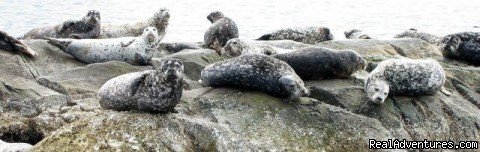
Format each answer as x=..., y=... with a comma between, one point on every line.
x=291, y=83
x=150, y=34
x=214, y=16
x=377, y=91
x=92, y=18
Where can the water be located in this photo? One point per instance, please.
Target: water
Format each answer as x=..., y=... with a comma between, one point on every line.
x=381, y=19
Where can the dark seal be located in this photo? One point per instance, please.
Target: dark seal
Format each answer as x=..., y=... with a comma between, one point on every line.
x=356, y=34
x=9, y=43
x=258, y=73
x=222, y=29
x=86, y=28
x=157, y=90
x=463, y=46
x=308, y=35
x=316, y=63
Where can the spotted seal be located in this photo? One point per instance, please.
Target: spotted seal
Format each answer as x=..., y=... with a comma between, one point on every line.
x=159, y=20
x=308, y=35
x=258, y=73
x=356, y=34
x=414, y=33
x=157, y=90
x=133, y=50
x=86, y=28
x=222, y=29
x=236, y=47
x=12, y=44
x=404, y=77
x=316, y=63
x=463, y=46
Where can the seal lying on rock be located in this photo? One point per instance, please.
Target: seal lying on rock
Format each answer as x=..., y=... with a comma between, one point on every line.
x=414, y=33
x=258, y=73
x=157, y=90
x=159, y=21
x=404, y=77
x=316, y=63
x=177, y=47
x=86, y=28
x=133, y=50
x=10, y=43
x=356, y=34
x=222, y=29
x=309, y=35
x=463, y=46
x=236, y=47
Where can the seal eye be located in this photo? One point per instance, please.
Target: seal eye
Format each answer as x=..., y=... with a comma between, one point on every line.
x=385, y=93
x=376, y=89
x=154, y=30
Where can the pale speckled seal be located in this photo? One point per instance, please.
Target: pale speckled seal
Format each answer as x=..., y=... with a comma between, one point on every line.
x=308, y=35
x=159, y=20
x=236, y=47
x=157, y=90
x=316, y=63
x=258, y=73
x=404, y=77
x=414, y=33
x=222, y=29
x=463, y=46
x=356, y=34
x=133, y=50
x=86, y=28
x=9, y=43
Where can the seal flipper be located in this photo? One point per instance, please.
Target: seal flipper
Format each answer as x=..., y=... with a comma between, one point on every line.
x=445, y=91
x=140, y=60
x=123, y=44
x=136, y=83
x=61, y=44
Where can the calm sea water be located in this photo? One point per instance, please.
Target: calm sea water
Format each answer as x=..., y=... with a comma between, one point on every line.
x=381, y=19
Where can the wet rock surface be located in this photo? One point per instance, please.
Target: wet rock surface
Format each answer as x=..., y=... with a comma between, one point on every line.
x=50, y=102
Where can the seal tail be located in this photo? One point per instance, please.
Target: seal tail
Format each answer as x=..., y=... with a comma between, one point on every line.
x=26, y=49
x=265, y=37
x=61, y=44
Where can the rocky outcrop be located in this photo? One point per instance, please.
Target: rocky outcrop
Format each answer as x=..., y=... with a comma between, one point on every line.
x=50, y=102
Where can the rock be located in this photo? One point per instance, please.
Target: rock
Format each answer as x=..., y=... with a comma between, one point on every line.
x=14, y=147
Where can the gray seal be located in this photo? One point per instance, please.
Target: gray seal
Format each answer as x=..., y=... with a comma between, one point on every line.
x=316, y=63
x=9, y=43
x=414, y=33
x=308, y=35
x=257, y=73
x=404, y=77
x=157, y=90
x=222, y=29
x=463, y=46
x=356, y=34
x=134, y=50
x=86, y=28
x=159, y=20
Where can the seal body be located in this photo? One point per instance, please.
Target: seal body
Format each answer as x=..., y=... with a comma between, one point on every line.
x=133, y=50
x=316, y=63
x=255, y=72
x=356, y=34
x=463, y=46
x=86, y=28
x=157, y=90
x=308, y=35
x=12, y=44
x=159, y=20
x=414, y=33
x=404, y=77
x=221, y=30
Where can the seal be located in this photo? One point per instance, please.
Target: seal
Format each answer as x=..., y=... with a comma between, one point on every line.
x=159, y=20
x=86, y=28
x=414, y=33
x=356, y=34
x=308, y=35
x=404, y=77
x=178, y=46
x=222, y=29
x=9, y=43
x=463, y=46
x=133, y=50
x=156, y=91
x=316, y=63
x=257, y=73
x=236, y=47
